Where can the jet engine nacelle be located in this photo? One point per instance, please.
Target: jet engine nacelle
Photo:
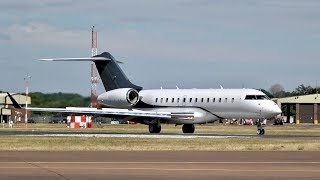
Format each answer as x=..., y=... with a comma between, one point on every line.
x=120, y=98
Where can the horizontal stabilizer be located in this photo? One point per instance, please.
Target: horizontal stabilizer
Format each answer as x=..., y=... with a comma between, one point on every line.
x=78, y=59
x=110, y=72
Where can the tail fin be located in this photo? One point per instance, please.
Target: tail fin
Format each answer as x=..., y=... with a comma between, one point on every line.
x=111, y=74
x=14, y=102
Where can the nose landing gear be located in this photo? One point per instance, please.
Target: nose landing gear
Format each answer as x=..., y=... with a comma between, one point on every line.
x=260, y=130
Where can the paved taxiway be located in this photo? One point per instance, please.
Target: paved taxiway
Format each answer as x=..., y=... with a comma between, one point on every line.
x=148, y=135
x=160, y=165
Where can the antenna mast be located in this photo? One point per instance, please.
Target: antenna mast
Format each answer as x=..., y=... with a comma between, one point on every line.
x=94, y=78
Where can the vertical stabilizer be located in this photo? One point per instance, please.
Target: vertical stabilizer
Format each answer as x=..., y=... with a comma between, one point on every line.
x=111, y=74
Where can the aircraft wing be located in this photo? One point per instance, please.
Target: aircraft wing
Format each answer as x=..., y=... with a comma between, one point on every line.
x=119, y=112
x=150, y=113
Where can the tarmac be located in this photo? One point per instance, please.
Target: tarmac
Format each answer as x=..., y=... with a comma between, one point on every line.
x=160, y=165
x=148, y=135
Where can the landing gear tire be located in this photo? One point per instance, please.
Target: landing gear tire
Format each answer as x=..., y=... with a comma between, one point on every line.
x=260, y=131
x=188, y=128
x=154, y=128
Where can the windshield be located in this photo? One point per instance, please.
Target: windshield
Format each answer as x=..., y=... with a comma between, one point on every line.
x=257, y=97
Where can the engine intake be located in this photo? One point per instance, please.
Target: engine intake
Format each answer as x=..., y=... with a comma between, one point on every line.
x=120, y=98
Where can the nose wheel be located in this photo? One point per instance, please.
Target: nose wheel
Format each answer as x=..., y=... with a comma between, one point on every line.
x=260, y=130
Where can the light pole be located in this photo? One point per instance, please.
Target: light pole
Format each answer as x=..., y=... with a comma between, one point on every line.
x=27, y=78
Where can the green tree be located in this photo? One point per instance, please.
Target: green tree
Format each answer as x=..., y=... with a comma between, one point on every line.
x=58, y=100
x=304, y=90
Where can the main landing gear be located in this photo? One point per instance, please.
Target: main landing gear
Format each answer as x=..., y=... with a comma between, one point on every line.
x=260, y=130
x=155, y=128
x=188, y=128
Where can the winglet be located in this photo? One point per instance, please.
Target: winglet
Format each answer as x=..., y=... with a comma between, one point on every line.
x=14, y=102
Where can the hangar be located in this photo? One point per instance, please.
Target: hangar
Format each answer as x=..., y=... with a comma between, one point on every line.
x=302, y=109
x=7, y=111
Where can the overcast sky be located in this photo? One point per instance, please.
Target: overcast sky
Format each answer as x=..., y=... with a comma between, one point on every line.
x=167, y=43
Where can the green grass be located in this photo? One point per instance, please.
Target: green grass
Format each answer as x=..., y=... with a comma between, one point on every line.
x=15, y=143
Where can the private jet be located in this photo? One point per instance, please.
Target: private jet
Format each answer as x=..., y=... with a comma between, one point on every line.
x=153, y=107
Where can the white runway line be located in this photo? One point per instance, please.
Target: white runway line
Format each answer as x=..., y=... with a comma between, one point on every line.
x=151, y=136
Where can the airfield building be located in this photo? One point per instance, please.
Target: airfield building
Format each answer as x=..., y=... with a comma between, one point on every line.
x=301, y=109
x=7, y=111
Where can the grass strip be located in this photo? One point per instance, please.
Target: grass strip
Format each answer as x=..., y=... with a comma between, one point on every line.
x=22, y=143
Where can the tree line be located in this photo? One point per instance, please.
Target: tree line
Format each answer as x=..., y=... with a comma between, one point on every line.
x=58, y=100
x=278, y=91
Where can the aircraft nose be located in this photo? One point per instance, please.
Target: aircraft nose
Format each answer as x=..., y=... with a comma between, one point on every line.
x=272, y=110
x=277, y=110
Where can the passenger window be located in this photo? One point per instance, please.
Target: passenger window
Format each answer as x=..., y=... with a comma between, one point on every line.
x=214, y=99
x=201, y=99
x=226, y=100
x=167, y=99
x=178, y=100
x=219, y=100
x=208, y=100
x=232, y=100
x=156, y=99
x=190, y=100
x=161, y=100
x=196, y=100
x=172, y=99
x=184, y=100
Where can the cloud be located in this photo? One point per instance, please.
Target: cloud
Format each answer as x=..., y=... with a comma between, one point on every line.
x=15, y=5
x=254, y=36
x=140, y=19
x=4, y=36
x=133, y=43
x=40, y=35
x=204, y=30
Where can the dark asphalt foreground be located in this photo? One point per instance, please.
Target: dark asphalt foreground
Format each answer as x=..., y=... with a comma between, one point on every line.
x=160, y=165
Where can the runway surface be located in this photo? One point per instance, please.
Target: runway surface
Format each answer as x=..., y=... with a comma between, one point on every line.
x=134, y=135
x=160, y=165
x=148, y=135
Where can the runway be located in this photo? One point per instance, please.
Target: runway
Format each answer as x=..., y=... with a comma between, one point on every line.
x=134, y=135
x=161, y=135
x=160, y=165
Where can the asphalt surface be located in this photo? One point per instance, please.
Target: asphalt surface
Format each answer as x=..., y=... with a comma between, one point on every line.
x=148, y=135
x=160, y=165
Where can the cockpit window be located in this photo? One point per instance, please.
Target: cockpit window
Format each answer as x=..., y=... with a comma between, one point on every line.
x=263, y=97
x=250, y=97
x=257, y=97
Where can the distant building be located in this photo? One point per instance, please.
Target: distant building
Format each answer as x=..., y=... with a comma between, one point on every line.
x=304, y=109
x=7, y=111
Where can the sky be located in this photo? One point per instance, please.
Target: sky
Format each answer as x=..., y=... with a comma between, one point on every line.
x=167, y=43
